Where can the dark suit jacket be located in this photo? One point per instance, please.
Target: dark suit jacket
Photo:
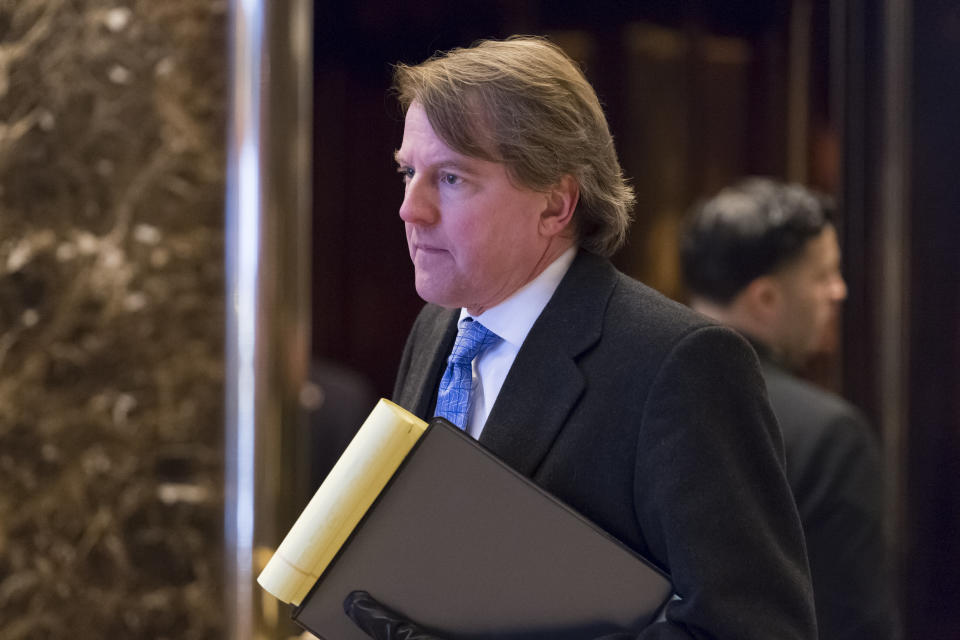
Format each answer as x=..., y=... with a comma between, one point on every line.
x=835, y=471
x=653, y=423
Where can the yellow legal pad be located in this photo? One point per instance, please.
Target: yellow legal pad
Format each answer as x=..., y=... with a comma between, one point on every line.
x=358, y=477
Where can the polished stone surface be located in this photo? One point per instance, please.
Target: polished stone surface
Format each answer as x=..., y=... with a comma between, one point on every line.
x=112, y=121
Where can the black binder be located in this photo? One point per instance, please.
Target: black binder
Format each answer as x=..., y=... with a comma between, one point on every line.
x=462, y=544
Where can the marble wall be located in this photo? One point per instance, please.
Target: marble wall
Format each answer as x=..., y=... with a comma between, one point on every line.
x=112, y=126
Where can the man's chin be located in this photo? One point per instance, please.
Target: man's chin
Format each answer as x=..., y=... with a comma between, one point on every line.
x=437, y=296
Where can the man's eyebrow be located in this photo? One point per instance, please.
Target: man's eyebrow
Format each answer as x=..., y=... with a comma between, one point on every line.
x=443, y=163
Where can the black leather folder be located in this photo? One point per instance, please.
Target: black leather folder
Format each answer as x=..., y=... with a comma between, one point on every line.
x=467, y=547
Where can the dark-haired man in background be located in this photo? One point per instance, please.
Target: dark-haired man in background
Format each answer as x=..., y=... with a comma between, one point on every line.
x=763, y=258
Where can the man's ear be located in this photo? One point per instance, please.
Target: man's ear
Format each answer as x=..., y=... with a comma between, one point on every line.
x=762, y=299
x=561, y=202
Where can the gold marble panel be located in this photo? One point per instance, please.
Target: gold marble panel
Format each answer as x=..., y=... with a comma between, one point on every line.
x=112, y=121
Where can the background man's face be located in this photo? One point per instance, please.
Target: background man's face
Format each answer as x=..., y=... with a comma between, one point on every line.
x=812, y=290
x=473, y=235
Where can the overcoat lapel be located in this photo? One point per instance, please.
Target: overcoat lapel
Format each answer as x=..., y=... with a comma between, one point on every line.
x=425, y=371
x=545, y=382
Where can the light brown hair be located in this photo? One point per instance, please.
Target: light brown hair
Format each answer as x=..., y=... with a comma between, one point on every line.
x=523, y=102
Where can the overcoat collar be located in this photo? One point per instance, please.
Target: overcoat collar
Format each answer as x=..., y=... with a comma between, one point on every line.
x=545, y=382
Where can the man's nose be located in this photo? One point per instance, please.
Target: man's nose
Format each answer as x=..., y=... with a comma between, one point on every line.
x=418, y=206
x=839, y=288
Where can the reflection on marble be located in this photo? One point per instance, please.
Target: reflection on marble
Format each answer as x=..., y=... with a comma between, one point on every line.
x=112, y=123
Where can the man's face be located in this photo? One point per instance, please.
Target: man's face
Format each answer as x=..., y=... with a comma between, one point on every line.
x=812, y=290
x=474, y=237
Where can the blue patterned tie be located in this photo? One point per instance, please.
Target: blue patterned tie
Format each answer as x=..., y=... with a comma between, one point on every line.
x=453, y=400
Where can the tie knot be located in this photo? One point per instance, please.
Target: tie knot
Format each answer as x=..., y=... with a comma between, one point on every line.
x=453, y=398
x=472, y=339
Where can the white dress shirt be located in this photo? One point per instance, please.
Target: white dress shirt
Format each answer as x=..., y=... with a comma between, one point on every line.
x=512, y=320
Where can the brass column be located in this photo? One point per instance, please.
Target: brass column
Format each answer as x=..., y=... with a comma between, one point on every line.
x=268, y=305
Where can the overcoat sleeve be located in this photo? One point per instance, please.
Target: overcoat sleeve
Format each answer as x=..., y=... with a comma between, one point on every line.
x=712, y=498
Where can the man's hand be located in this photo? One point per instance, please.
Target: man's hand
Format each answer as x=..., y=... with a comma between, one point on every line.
x=379, y=622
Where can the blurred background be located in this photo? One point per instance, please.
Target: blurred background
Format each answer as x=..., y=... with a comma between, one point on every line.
x=179, y=178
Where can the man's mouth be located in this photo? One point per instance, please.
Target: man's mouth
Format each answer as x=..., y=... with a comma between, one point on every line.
x=427, y=248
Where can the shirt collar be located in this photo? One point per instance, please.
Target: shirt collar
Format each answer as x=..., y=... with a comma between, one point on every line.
x=513, y=318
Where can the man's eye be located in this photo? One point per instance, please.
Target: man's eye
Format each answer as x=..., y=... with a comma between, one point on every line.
x=406, y=173
x=451, y=179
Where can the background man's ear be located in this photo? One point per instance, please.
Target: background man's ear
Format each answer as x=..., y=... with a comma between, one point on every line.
x=762, y=298
x=561, y=202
